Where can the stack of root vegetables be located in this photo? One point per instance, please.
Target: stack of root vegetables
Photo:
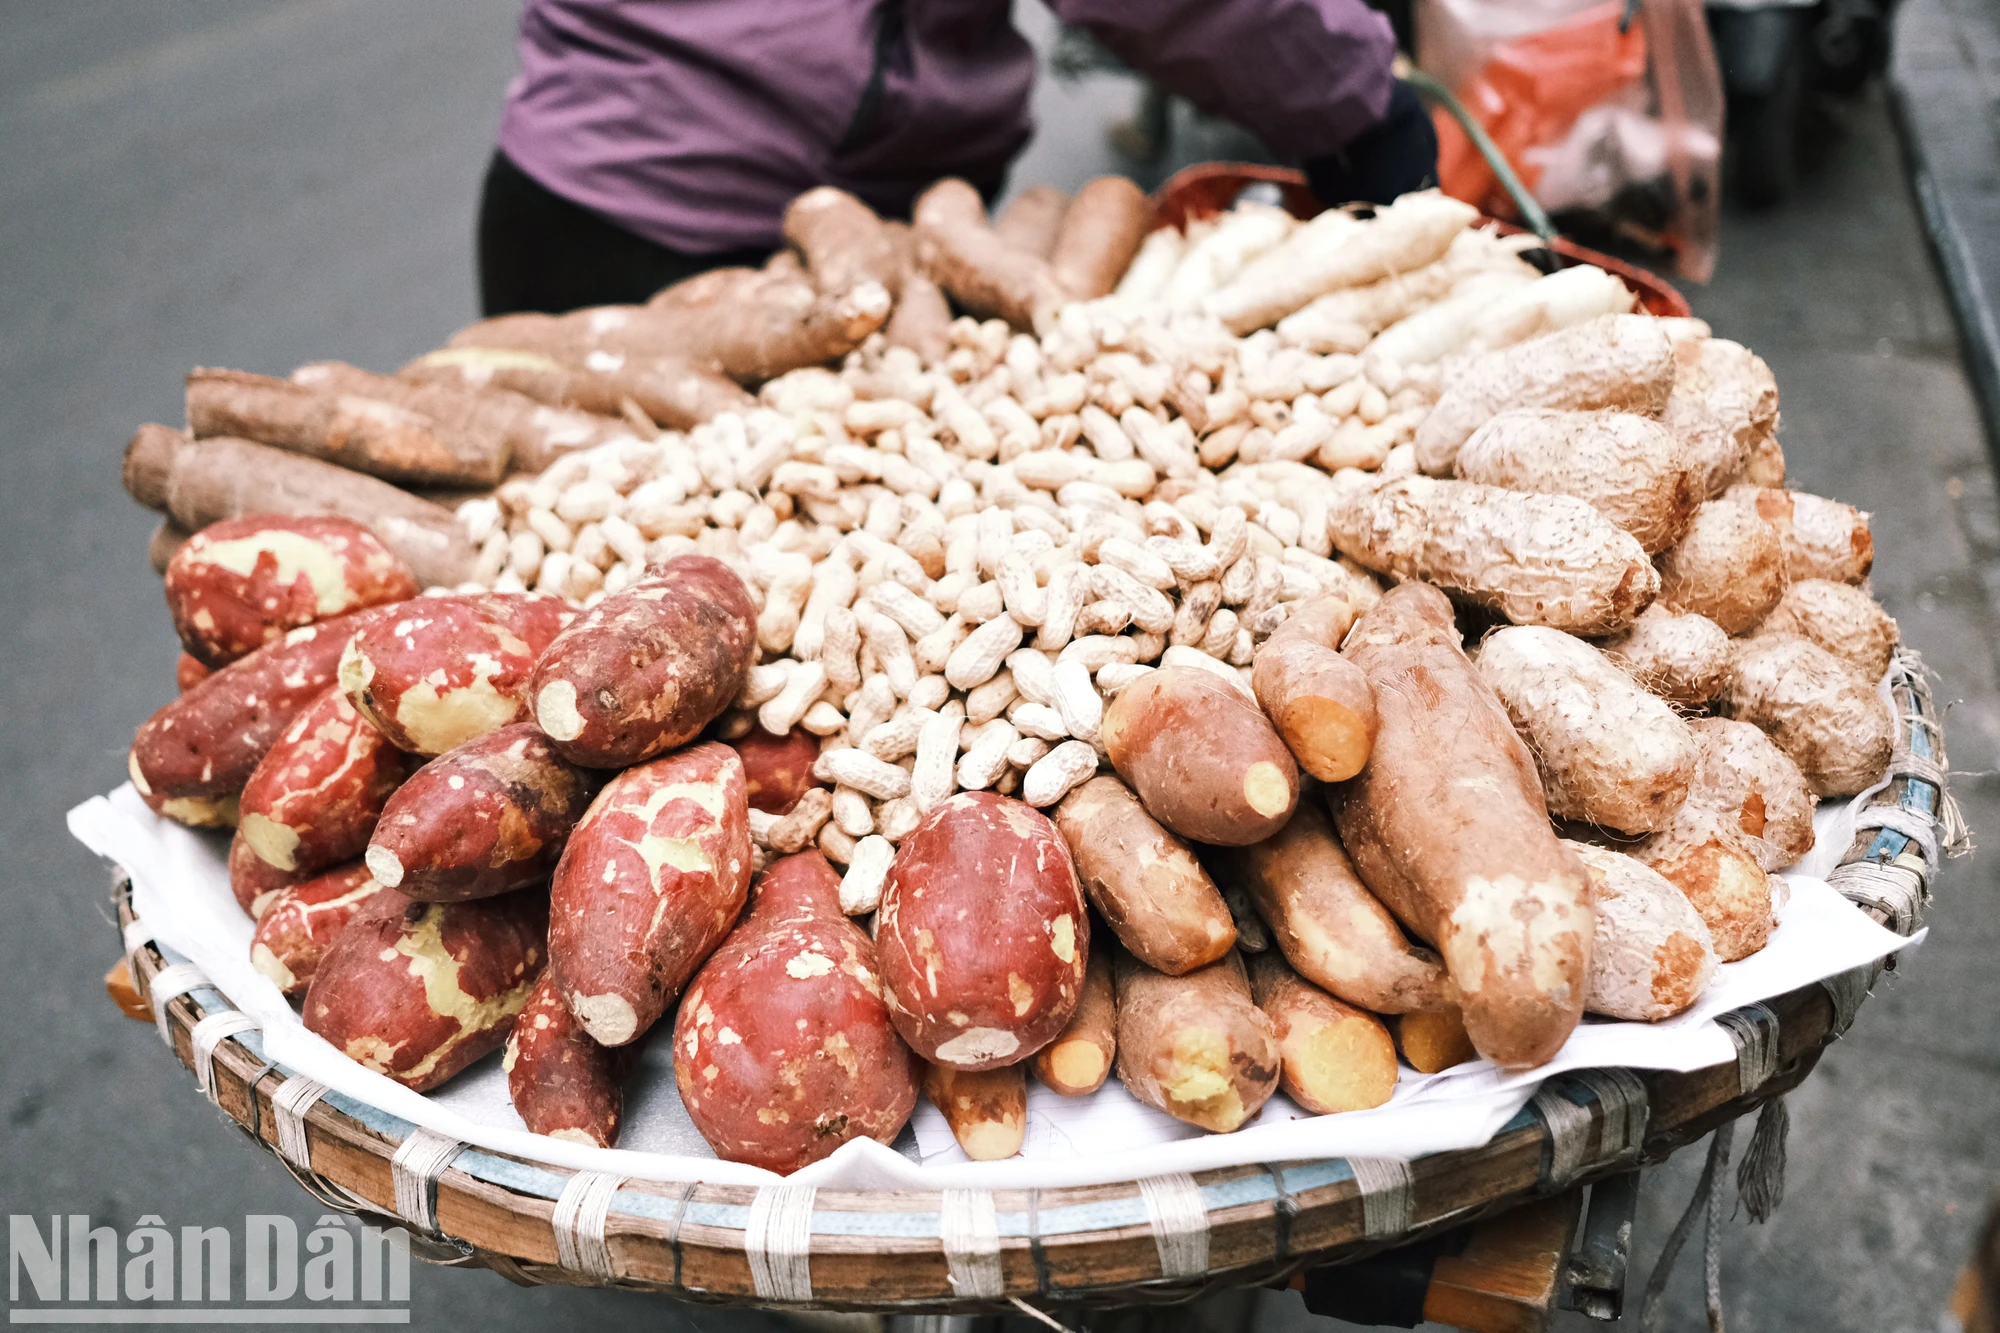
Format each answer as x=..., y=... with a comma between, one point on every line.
x=1014, y=690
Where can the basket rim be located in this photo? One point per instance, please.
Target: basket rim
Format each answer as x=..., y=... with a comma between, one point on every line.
x=883, y=1251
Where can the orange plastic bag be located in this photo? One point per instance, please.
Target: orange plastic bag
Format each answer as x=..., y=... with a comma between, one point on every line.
x=1617, y=134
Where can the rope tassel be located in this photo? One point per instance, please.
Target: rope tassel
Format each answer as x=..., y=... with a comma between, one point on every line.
x=1760, y=1179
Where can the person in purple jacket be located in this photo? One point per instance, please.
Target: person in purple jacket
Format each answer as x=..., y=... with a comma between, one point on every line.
x=647, y=140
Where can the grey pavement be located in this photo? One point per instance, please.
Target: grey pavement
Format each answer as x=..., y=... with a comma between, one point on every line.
x=258, y=184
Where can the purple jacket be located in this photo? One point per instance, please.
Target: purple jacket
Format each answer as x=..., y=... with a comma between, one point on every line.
x=694, y=122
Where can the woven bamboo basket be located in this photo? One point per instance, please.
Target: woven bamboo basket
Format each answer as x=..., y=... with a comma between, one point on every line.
x=1166, y=1239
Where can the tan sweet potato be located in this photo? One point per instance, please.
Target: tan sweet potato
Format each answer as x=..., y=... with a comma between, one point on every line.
x=1609, y=753
x=1730, y=567
x=255, y=881
x=1840, y=618
x=1621, y=362
x=1448, y=828
x=189, y=761
x=649, y=666
x=492, y=815
x=314, y=798
x=239, y=584
x=673, y=393
x=1627, y=467
x=974, y=978
x=1816, y=707
x=561, y=1082
x=443, y=670
x=301, y=922
x=1653, y=956
x=418, y=991
x=1078, y=1061
x=1143, y=880
x=778, y=768
x=1536, y=559
x=987, y=1109
x=989, y=278
x=1681, y=657
x=922, y=320
x=1196, y=1047
x=1724, y=405
x=199, y=482
x=1432, y=1040
x=1748, y=779
x=1705, y=855
x=1333, y=1057
x=1101, y=230
x=1031, y=219
x=844, y=243
x=1327, y=924
x=1821, y=538
x=1318, y=700
x=1202, y=758
x=364, y=434
x=783, y=1049
x=652, y=880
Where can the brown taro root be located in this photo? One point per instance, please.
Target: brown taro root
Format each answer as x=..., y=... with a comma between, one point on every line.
x=649, y=666
x=1143, y=880
x=1746, y=777
x=1100, y=232
x=418, y=991
x=1820, y=538
x=1609, y=753
x=986, y=276
x=973, y=978
x=1078, y=1061
x=1840, y=618
x=1723, y=409
x=1816, y=707
x=1333, y=1056
x=315, y=796
x=1653, y=955
x=561, y=1082
x=652, y=880
x=301, y=922
x=490, y=816
x=1318, y=700
x=1196, y=1047
x=1679, y=656
x=199, y=482
x=673, y=393
x=189, y=761
x=1627, y=467
x=1201, y=756
x=1327, y=924
x=1730, y=567
x=1705, y=855
x=987, y=1109
x=366, y=434
x=239, y=584
x=1447, y=826
x=783, y=1050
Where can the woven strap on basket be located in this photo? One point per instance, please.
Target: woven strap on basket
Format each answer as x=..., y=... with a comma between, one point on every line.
x=969, y=1230
x=579, y=1219
x=1754, y=1029
x=137, y=936
x=1387, y=1195
x=777, y=1240
x=1623, y=1112
x=414, y=1170
x=168, y=985
x=1180, y=1223
x=211, y=1032
x=1847, y=990
x=289, y=1104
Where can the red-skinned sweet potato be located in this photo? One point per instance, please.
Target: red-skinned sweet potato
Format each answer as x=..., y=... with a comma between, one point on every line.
x=302, y=921
x=778, y=769
x=652, y=880
x=239, y=584
x=561, y=1082
x=490, y=816
x=982, y=934
x=254, y=880
x=190, y=760
x=418, y=991
x=649, y=666
x=189, y=671
x=314, y=799
x=783, y=1049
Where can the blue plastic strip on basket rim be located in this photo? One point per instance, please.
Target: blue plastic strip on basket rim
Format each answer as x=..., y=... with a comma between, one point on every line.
x=1918, y=795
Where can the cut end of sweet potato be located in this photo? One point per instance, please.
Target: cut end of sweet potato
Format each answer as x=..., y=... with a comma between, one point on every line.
x=1267, y=789
x=1328, y=738
x=1199, y=1081
x=1347, y=1064
x=1433, y=1041
x=1078, y=1064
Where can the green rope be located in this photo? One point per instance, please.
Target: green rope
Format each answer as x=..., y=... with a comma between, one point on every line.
x=1531, y=212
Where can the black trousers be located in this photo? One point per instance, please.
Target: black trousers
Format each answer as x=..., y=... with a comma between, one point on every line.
x=540, y=252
